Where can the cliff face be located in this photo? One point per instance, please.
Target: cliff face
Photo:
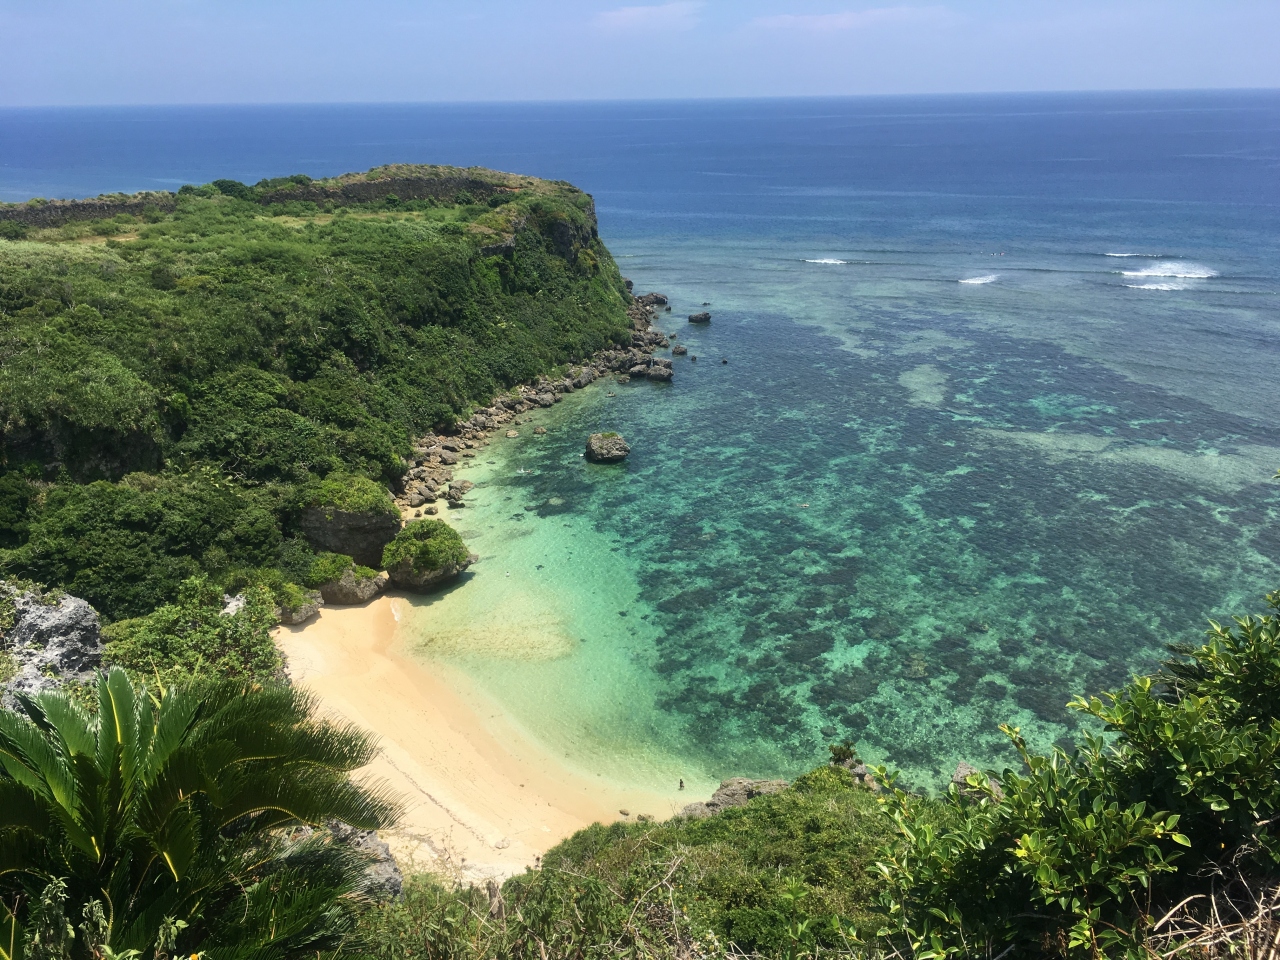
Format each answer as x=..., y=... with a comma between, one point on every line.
x=52, y=213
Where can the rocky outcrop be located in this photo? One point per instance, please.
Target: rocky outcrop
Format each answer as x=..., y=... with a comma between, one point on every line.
x=382, y=878
x=734, y=792
x=359, y=535
x=403, y=574
x=961, y=781
x=703, y=317
x=679, y=350
x=350, y=589
x=49, y=213
x=457, y=490
x=46, y=640
x=607, y=448
x=308, y=608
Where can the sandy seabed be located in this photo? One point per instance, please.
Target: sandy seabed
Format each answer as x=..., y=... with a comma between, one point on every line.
x=481, y=799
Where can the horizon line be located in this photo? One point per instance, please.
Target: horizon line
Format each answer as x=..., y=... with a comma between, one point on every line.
x=607, y=100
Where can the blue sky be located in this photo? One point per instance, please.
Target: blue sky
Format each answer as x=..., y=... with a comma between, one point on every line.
x=256, y=51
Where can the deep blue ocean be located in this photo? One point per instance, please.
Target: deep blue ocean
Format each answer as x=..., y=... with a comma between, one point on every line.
x=998, y=422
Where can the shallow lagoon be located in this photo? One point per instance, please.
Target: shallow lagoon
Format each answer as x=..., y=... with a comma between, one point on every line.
x=902, y=531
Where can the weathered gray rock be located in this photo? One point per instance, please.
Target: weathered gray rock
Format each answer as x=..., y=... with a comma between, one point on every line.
x=48, y=640
x=734, y=792
x=359, y=535
x=382, y=878
x=350, y=589
x=458, y=489
x=661, y=374
x=703, y=317
x=310, y=606
x=606, y=448
x=679, y=350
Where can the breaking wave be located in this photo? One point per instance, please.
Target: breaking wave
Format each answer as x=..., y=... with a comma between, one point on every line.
x=990, y=278
x=827, y=260
x=1183, y=271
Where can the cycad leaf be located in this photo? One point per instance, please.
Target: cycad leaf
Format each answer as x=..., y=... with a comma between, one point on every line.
x=178, y=839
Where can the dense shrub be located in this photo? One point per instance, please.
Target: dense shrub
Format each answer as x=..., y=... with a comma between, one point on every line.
x=125, y=547
x=426, y=545
x=350, y=493
x=193, y=640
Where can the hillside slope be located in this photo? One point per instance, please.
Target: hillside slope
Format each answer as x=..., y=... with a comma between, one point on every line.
x=174, y=369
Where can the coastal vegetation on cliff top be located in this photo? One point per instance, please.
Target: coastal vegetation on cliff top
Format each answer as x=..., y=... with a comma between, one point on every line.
x=182, y=375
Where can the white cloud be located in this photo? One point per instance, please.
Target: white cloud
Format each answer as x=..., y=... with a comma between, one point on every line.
x=655, y=19
x=848, y=20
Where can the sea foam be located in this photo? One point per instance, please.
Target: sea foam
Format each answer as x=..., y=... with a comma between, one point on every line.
x=1171, y=268
x=827, y=260
x=990, y=278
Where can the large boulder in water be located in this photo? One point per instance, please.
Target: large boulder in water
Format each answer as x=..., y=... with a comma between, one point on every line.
x=607, y=448
x=703, y=317
x=46, y=640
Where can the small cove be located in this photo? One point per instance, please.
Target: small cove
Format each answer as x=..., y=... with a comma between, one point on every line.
x=909, y=507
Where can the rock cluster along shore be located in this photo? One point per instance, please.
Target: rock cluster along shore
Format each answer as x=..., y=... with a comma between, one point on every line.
x=430, y=476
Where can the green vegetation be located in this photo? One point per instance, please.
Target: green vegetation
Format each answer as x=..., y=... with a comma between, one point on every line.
x=161, y=824
x=179, y=379
x=193, y=639
x=1160, y=838
x=348, y=492
x=298, y=563
x=426, y=545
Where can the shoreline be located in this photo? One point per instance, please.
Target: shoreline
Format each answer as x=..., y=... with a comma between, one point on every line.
x=482, y=800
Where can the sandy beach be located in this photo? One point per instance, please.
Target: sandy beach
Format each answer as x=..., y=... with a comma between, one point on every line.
x=481, y=799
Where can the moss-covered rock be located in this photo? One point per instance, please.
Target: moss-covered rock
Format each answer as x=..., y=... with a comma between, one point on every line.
x=349, y=514
x=355, y=584
x=424, y=553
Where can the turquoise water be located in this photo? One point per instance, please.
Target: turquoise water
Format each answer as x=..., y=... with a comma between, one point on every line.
x=998, y=421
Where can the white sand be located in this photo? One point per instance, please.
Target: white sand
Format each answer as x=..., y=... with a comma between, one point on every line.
x=481, y=799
